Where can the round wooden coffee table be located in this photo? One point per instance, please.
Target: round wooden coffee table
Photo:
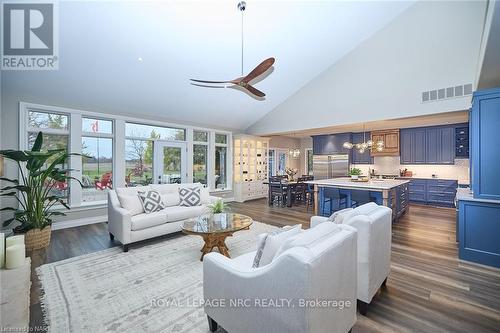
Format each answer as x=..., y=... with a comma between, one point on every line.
x=215, y=228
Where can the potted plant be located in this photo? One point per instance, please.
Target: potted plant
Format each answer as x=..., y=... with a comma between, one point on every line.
x=291, y=172
x=355, y=173
x=217, y=209
x=36, y=192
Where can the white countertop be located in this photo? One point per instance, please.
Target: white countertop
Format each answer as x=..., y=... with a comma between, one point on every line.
x=374, y=184
x=460, y=181
x=465, y=194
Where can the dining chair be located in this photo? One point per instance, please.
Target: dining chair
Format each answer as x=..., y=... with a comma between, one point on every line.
x=277, y=190
x=300, y=189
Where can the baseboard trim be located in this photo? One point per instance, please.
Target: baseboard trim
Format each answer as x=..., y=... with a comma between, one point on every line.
x=79, y=222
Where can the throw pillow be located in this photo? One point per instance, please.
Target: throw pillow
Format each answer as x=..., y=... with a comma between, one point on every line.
x=190, y=196
x=339, y=216
x=151, y=201
x=132, y=203
x=270, y=244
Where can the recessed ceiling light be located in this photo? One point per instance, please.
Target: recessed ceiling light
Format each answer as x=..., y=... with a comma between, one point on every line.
x=140, y=59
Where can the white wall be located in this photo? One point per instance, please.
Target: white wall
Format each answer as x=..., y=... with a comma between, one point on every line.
x=284, y=142
x=431, y=45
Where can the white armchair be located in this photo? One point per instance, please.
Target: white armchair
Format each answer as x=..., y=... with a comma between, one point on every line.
x=307, y=270
x=374, y=226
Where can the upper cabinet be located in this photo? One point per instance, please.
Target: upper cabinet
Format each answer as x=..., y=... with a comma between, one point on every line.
x=462, y=141
x=485, y=155
x=357, y=157
x=431, y=145
x=331, y=144
x=391, y=142
x=413, y=149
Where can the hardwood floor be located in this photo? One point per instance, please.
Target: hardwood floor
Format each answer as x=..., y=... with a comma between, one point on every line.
x=428, y=290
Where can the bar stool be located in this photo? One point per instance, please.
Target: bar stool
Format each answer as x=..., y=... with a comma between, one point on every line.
x=360, y=197
x=331, y=195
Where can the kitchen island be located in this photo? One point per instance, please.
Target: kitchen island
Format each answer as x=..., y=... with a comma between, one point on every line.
x=392, y=193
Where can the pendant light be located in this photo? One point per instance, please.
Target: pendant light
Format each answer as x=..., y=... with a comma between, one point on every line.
x=362, y=147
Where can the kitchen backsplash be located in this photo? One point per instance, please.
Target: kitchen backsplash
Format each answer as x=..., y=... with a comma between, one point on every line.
x=390, y=165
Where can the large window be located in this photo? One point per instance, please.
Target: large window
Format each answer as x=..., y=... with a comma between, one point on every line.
x=138, y=162
x=55, y=131
x=221, y=162
x=120, y=151
x=97, y=162
x=154, y=132
x=200, y=157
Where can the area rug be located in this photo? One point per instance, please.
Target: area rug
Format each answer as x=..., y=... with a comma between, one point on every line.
x=154, y=288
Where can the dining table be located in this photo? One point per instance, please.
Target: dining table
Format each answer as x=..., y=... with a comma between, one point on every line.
x=290, y=185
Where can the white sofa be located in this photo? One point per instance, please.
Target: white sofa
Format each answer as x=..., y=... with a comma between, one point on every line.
x=128, y=222
x=317, y=264
x=374, y=226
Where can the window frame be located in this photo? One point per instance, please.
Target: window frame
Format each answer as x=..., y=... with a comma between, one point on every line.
x=229, y=161
x=75, y=135
x=102, y=136
x=209, y=151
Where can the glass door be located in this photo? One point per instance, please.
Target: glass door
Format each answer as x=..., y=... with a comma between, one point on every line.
x=282, y=161
x=170, y=165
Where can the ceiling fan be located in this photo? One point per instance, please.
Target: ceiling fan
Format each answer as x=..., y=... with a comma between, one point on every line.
x=243, y=82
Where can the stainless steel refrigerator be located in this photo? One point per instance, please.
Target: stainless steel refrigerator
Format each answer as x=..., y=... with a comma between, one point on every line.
x=330, y=166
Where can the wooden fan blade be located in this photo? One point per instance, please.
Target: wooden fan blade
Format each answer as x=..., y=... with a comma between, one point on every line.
x=203, y=81
x=254, y=91
x=260, y=69
x=206, y=85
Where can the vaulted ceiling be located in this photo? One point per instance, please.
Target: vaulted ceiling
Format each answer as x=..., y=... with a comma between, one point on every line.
x=101, y=43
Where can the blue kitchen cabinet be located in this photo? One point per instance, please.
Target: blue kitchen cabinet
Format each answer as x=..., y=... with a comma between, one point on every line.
x=462, y=142
x=430, y=145
x=418, y=148
x=413, y=149
x=357, y=157
x=331, y=144
x=435, y=192
x=485, y=154
x=319, y=143
x=446, y=150
x=441, y=192
x=478, y=232
x=418, y=191
x=406, y=143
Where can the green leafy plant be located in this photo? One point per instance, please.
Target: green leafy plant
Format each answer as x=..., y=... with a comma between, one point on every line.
x=40, y=172
x=217, y=207
x=355, y=172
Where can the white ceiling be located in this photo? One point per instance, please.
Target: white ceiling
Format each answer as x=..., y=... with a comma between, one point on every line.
x=100, y=43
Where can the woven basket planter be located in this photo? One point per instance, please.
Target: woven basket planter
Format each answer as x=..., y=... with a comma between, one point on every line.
x=36, y=239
